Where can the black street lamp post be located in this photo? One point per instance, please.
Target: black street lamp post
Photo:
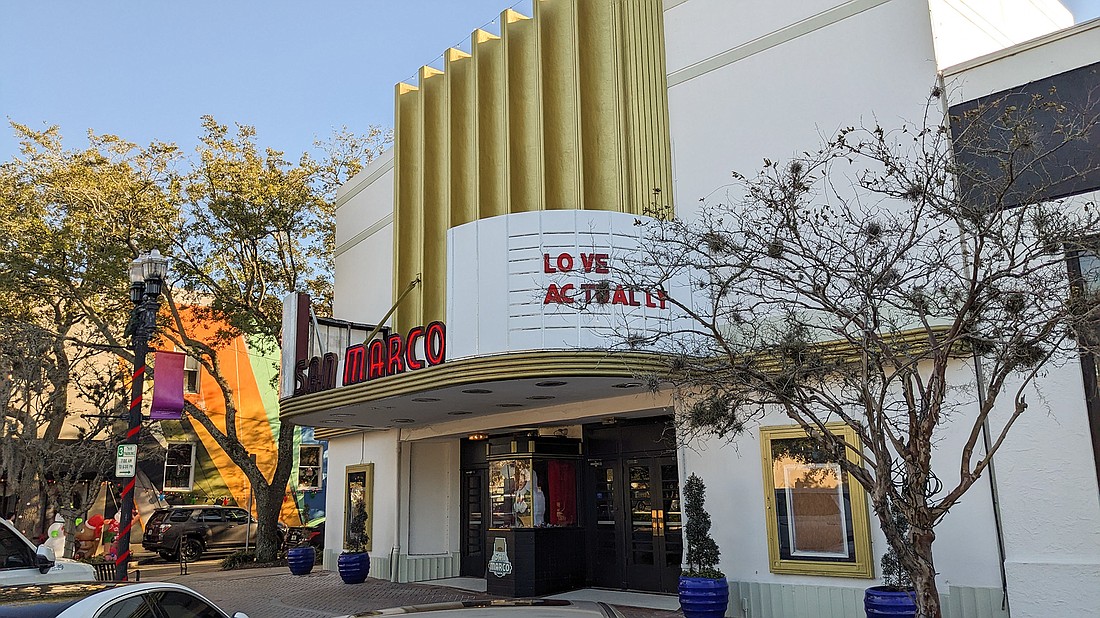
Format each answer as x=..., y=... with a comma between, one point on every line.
x=146, y=278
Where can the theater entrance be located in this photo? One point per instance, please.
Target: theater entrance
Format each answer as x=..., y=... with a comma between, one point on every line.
x=634, y=533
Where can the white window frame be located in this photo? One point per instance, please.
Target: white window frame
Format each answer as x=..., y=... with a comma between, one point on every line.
x=191, y=367
x=191, y=471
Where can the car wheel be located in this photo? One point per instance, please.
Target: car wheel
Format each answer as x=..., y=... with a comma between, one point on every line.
x=170, y=556
x=190, y=549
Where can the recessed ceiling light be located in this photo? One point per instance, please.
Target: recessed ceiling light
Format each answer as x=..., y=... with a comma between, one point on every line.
x=459, y=413
x=403, y=420
x=477, y=391
x=627, y=385
x=541, y=397
x=425, y=399
x=509, y=405
x=343, y=415
x=550, y=383
x=330, y=420
x=478, y=436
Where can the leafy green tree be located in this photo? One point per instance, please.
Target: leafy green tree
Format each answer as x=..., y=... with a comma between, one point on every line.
x=243, y=227
x=253, y=227
x=69, y=219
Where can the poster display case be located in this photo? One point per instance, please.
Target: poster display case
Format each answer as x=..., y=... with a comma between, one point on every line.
x=535, y=542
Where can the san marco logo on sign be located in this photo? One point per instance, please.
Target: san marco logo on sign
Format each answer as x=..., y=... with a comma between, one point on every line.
x=396, y=354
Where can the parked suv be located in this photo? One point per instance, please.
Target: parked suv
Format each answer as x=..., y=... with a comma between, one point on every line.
x=189, y=531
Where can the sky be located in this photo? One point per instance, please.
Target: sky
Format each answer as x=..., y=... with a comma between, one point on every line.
x=149, y=70
x=296, y=70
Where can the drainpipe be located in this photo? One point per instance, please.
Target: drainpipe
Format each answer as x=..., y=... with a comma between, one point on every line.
x=395, y=551
x=979, y=377
x=994, y=499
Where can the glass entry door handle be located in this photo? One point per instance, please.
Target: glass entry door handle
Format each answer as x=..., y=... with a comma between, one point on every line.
x=657, y=522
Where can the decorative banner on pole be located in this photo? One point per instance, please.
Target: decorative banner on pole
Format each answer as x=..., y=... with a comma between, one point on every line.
x=167, y=386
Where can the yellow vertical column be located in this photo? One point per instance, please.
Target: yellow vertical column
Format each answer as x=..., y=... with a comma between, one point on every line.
x=436, y=183
x=603, y=153
x=492, y=139
x=408, y=223
x=524, y=112
x=557, y=42
x=461, y=93
x=646, y=96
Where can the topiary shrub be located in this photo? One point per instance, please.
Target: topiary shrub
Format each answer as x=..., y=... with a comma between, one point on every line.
x=702, y=551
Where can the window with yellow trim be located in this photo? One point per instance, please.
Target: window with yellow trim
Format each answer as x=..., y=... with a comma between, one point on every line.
x=816, y=517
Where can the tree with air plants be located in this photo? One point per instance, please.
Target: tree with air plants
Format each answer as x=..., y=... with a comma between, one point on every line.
x=857, y=282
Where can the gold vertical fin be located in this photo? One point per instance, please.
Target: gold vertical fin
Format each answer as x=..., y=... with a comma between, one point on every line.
x=603, y=153
x=436, y=189
x=408, y=225
x=462, y=152
x=556, y=21
x=492, y=138
x=645, y=92
x=523, y=112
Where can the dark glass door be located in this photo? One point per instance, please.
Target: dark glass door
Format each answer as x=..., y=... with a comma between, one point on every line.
x=474, y=521
x=634, y=523
x=654, y=538
x=604, y=514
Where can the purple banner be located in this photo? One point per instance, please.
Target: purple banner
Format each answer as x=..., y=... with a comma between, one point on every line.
x=167, y=386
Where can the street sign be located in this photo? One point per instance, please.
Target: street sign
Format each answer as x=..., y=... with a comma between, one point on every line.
x=126, y=461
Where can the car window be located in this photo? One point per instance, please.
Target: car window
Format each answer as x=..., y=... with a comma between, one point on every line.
x=133, y=607
x=14, y=553
x=211, y=515
x=156, y=518
x=237, y=516
x=179, y=604
x=181, y=515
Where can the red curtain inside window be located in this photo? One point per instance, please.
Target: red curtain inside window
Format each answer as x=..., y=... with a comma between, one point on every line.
x=561, y=507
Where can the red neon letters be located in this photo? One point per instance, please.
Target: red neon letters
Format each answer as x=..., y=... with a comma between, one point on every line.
x=395, y=354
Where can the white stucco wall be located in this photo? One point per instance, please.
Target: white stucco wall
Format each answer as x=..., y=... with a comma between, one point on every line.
x=966, y=29
x=777, y=95
x=381, y=449
x=434, y=477
x=364, y=243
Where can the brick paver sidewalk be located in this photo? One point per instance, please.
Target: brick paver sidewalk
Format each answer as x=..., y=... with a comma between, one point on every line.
x=275, y=593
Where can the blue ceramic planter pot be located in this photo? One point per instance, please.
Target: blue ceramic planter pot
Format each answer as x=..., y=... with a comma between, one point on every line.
x=301, y=560
x=702, y=597
x=883, y=602
x=353, y=568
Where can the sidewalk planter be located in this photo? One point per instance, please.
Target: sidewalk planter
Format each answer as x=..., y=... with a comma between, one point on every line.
x=703, y=597
x=889, y=602
x=301, y=560
x=353, y=568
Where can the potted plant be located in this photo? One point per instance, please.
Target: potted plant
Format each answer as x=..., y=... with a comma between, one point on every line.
x=354, y=562
x=704, y=592
x=896, y=597
x=301, y=557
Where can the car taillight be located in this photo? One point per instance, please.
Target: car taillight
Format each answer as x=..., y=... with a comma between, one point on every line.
x=163, y=528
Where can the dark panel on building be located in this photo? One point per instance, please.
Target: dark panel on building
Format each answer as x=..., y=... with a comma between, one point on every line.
x=1034, y=142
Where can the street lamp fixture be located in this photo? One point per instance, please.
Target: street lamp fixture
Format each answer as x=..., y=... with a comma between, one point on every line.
x=147, y=274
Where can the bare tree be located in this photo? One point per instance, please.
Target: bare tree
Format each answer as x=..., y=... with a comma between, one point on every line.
x=857, y=282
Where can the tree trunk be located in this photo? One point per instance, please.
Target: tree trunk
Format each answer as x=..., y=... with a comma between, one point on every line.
x=924, y=575
x=268, y=505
